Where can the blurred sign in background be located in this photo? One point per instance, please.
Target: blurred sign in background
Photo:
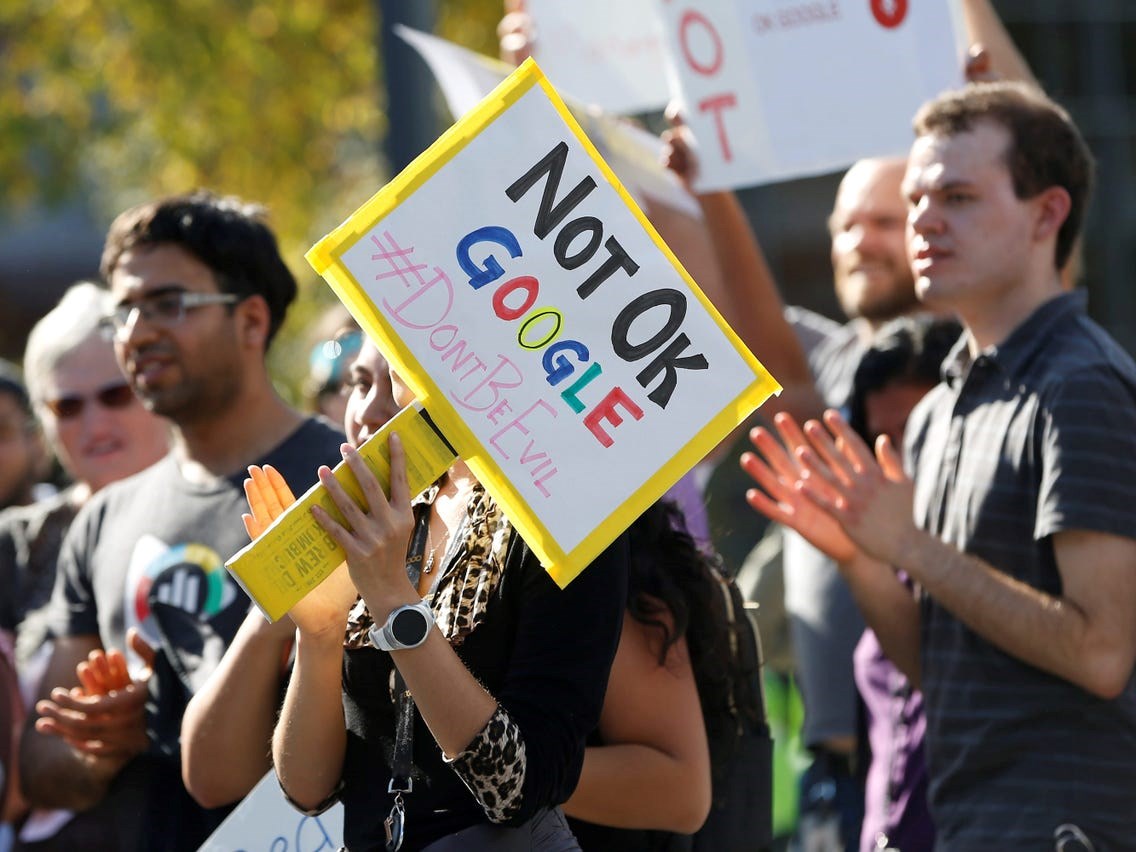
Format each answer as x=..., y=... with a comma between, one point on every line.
x=310, y=106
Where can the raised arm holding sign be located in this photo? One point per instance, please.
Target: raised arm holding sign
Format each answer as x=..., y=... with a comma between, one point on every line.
x=546, y=329
x=507, y=671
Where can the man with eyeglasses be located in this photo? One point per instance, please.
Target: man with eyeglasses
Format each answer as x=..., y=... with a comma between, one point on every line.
x=198, y=291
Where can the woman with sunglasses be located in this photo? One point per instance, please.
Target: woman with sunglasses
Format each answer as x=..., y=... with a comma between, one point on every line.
x=96, y=426
x=100, y=433
x=498, y=679
x=328, y=383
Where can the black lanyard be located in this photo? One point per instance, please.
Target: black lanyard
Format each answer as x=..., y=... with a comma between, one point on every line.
x=402, y=761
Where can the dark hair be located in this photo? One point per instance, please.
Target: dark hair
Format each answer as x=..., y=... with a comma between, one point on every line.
x=1046, y=148
x=906, y=350
x=668, y=573
x=223, y=232
x=13, y=385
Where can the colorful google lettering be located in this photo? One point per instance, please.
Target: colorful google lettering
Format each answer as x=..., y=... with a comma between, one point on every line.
x=567, y=363
x=540, y=328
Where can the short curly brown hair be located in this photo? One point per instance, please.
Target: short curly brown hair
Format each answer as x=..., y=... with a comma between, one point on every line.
x=228, y=235
x=1046, y=148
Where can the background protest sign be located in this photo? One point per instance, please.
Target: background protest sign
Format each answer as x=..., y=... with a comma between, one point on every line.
x=265, y=820
x=778, y=89
x=466, y=77
x=551, y=335
x=601, y=52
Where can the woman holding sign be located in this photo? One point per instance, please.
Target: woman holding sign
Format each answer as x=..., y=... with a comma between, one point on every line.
x=444, y=685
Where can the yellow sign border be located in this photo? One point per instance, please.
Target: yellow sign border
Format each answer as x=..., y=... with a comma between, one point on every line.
x=325, y=257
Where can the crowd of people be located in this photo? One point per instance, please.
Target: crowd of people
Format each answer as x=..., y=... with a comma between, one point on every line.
x=946, y=471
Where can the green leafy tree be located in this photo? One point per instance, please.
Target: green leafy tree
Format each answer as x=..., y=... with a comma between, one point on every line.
x=109, y=102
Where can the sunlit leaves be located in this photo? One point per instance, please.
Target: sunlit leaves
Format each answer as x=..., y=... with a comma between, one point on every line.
x=108, y=102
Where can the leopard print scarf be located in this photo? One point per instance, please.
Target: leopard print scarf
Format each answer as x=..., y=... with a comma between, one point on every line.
x=470, y=571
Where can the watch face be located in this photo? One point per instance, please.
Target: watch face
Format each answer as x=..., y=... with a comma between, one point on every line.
x=408, y=627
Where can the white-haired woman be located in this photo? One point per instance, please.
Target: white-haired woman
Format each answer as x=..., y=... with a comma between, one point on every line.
x=99, y=432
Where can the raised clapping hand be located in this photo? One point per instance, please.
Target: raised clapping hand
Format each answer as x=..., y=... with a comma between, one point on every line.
x=376, y=535
x=105, y=671
x=268, y=496
x=783, y=499
x=323, y=611
x=104, y=719
x=869, y=496
x=831, y=489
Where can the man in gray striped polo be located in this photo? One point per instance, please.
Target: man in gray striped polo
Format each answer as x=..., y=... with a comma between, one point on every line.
x=1018, y=525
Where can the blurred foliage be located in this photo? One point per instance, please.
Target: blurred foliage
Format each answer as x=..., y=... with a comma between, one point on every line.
x=105, y=103
x=470, y=23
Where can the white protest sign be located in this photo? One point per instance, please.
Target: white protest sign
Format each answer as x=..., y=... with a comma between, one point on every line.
x=778, y=89
x=465, y=77
x=265, y=822
x=602, y=52
x=634, y=154
x=548, y=331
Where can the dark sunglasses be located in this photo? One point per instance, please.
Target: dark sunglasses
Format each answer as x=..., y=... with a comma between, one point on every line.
x=112, y=396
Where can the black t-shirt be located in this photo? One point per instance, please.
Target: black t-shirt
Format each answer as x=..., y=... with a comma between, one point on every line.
x=30, y=538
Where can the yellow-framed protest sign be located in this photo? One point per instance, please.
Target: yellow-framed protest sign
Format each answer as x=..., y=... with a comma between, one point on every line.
x=554, y=339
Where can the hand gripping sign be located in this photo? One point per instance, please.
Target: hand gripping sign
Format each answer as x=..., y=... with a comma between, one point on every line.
x=552, y=336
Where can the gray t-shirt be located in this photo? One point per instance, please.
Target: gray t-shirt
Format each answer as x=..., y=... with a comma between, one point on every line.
x=149, y=552
x=833, y=351
x=157, y=537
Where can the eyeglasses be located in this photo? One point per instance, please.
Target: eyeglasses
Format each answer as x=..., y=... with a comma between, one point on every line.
x=72, y=405
x=166, y=308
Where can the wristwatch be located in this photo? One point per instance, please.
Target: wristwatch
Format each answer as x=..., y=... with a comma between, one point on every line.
x=406, y=627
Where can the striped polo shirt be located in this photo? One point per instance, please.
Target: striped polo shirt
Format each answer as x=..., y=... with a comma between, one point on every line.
x=1034, y=436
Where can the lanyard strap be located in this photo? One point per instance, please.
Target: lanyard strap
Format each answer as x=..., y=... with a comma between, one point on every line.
x=401, y=763
x=417, y=548
x=401, y=781
x=404, y=725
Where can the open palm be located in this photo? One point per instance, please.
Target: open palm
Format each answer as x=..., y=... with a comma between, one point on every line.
x=781, y=498
x=324, y=609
